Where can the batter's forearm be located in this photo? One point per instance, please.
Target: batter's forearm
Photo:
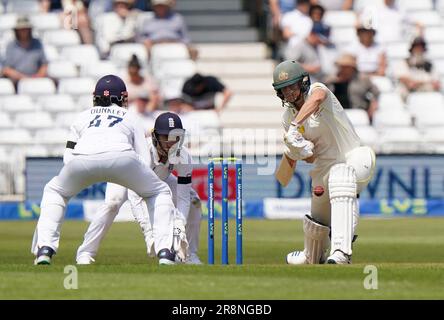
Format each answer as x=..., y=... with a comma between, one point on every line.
x=310, y=106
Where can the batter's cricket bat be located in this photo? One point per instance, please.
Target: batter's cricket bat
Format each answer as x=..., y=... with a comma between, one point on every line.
x=285, y=171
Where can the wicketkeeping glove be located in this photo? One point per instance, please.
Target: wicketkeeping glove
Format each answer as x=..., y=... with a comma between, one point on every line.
x=180, y=243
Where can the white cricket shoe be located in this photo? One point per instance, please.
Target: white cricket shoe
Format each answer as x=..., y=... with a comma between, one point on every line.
x=297, y=257
x=85, y=259
x=193, y=259
x=339, y=257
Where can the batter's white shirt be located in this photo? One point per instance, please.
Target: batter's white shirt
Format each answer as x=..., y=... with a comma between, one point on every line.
x=329, y=129
x=107, y=129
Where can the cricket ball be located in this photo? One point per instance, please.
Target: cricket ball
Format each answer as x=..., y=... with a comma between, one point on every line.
x=318, y=191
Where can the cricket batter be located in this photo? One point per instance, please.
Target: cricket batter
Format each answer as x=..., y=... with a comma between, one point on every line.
x=107, y=143
x=318, y=131
x=167, y=154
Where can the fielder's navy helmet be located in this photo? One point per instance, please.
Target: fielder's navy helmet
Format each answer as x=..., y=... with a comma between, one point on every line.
x=110, y=89
x=166, y=122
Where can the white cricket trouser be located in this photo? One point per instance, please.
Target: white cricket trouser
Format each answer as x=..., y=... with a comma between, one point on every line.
x=115, y=197
x=124, y=168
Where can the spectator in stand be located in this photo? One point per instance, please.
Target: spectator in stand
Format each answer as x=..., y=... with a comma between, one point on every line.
x=25, y=57
x=166, y=26
x=201, y=92
x=75, y=12
x=119, y=26
x=46, y=6
x=415, y=74
x=142, y=5
x=322, y=30
x=138, y=84
x=139, y=104
x=391, y=23
x=334, y=4
x=277, y=8
x=307, y=54
x=98, y=7
x=180, y=104
x=296, y=26
x=371, y=57
x=353, y=90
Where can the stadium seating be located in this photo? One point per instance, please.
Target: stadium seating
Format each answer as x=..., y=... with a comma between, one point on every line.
x=17, y=103
x=340, y=19
x=57, y=103
x=61, y=38
x=22, y=6
x=121, y=53
x=15, y=137
x=401, y=139
x=62, y=69
x=5, y=121
x=46, y=21
x=358, y=117
x=426, y=18
x=390, y=101
x=98, y=69
x=414, y=5
x=369, y=136
x=51, y=52
x=6, y=87
x=175, y=69
x=384, y=84
x=35, y=119
x=35, y=87
x=391, y=119
x=427, y=120
x=7, y=21
x=77, y=86
x=51, y=136
x=81, y=55
x=168, y=51
x=434, y=35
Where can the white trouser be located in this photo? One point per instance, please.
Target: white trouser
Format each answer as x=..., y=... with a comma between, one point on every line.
x=124, y=168
x=115, y=196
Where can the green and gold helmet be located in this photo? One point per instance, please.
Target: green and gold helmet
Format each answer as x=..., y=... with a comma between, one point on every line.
x=290, y=72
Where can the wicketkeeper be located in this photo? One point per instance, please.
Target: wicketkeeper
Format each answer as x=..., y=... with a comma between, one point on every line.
x=317, y=130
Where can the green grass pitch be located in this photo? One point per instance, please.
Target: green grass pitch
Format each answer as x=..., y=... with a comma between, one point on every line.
x=408, y=254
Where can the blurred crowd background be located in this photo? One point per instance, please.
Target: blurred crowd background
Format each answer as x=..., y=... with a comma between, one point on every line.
x=211, y=61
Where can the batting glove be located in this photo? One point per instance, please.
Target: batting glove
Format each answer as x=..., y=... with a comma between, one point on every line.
x=296, y=147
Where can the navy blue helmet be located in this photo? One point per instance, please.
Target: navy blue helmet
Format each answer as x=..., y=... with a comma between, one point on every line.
x=110, y=89
x=166, y=122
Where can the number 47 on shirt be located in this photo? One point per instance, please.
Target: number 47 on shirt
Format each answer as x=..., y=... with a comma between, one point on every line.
x=97, y=121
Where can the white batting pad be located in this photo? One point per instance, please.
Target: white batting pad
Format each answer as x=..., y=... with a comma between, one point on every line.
x=363, y=160
x=316, y=240
x=342, y=186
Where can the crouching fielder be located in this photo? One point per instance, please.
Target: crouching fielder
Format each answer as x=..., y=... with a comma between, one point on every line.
x=106, y=144
x=317, y=130
x=167, y=154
